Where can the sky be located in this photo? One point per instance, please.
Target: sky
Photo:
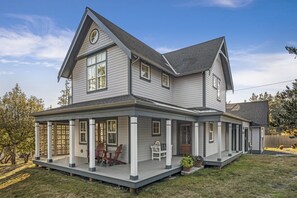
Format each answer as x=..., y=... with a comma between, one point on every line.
x=35, y=36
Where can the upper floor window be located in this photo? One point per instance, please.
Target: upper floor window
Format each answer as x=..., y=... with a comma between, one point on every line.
x=210, y=136
x=94, y=36
x=96, y=72
x=216, y=83
x=165, y=80
x=145, y=71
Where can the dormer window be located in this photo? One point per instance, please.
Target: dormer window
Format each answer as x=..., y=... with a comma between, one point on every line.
x=96, y=72
x=165, y=80
x=145, y=72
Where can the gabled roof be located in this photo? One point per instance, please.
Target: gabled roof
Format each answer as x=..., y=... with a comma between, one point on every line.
x=257, y=112
x=193, y=59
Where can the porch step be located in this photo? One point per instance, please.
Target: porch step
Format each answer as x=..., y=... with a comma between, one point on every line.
x=193, y=170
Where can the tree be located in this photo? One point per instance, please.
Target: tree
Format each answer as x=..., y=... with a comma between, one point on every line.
x=63, y=100
x=291, y=50
x=289, y=115
x=17, y=124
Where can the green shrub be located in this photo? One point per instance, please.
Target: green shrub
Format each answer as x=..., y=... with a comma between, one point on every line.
x=187, y=162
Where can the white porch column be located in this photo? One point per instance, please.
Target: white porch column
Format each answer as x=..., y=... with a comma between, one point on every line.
x=37, y=140
x=92, y=140
x=168, y=145
x=71, y=143
x=133, y=149
x=243, y=142
x=49, y=142
x=237, y=138
x=230, y=140
x=219, y=141
x=196, y=139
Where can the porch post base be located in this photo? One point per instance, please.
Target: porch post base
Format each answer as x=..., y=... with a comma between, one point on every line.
x=134, y=177
x=37, y=158
x=168, y=167
x=229, y=154
x=72, y=165
x=93, y=169
x=219, y=159
x=237, y=151
x=49, y=160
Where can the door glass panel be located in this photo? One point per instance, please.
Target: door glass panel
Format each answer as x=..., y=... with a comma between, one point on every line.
x=186, y=136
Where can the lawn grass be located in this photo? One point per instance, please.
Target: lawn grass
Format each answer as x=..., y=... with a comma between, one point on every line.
x=250, y=176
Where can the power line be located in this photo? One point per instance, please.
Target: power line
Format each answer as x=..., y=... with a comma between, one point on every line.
x=264, y=85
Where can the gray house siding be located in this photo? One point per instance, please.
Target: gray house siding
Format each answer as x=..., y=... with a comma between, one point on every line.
x=117, y=77
x=123, y=138
x=103, y=40
x=152, y=89
x=211, y=92
x=145, y=138
x=188, y=91
x=212, y=148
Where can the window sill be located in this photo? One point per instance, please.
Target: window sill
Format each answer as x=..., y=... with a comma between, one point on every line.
x=83, y=143
x=210, y=141
x=145, y=79
x=165, y=87
x=98, y=90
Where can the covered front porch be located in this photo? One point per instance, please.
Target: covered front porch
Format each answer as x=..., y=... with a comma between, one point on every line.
x=149, y=171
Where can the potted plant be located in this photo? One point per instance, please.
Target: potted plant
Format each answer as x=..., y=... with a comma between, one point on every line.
x=187, y=163
x=198, y=160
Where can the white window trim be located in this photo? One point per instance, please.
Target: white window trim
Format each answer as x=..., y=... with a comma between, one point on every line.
x=166, y=86
x=96, y=65
x=113, y=132
x=211, y=132
x=85, y=132
x=219, y=89
x=149, y=72
x=159, y=130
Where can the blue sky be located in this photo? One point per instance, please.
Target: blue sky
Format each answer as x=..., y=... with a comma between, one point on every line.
x=35, y=36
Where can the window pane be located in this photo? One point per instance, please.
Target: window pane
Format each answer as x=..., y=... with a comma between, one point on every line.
x=101, y=57
x=112, y=138
x=92, y=85
x=83, y=137
x=91, y=60
x=111, y=126
x=101, y=69
x=91, y=72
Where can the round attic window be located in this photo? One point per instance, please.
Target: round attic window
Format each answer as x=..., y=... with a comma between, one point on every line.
x=94, y=36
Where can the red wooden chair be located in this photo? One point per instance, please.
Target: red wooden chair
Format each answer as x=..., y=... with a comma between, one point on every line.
x=100, y=152
x=114, y=160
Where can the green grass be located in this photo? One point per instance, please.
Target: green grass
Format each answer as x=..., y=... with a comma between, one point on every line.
x=250, y=176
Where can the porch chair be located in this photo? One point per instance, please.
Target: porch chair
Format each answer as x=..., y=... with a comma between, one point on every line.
x=108, y=159
x=158, y=150
x=100, y=152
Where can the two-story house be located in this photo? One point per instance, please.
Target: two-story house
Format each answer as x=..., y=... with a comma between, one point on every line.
x=126, y=93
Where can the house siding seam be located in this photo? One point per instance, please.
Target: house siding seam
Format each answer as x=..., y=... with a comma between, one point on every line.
x=103, y=40
x=116, y=79
x=211, y=92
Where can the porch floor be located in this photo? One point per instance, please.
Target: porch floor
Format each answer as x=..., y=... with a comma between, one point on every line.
x=212, y=160
x=148, y=171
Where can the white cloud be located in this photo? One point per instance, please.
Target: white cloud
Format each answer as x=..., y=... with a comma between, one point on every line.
x=251, y=69
x=6, y=73
x=164, y=50
x=218, y=3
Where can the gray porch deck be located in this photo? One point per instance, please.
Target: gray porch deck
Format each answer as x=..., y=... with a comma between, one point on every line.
x=148, y=171
x=212, y=160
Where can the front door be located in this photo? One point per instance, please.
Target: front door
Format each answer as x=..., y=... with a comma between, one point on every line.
x=185, y=139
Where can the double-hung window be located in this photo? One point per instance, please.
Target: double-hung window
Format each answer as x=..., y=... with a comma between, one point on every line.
x=165, y=80
x=145, y=72
x=156, y=128
x=83, y=132
x=96, y=71
x=210, y=135
x=112, y=132
x=216, y=83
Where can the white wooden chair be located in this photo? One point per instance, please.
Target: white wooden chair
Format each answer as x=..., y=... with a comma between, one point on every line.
x=157, y=151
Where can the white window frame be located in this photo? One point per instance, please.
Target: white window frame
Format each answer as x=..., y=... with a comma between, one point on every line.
x=142, y=65
x=219, y=89
x=210, y=134
x=168, y=80
x=112, y=132
x=96, y=65
x=158, y=133
x=83, y=131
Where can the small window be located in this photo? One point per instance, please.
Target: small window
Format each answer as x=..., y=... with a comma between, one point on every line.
x=156, y=128
x=219, y=90
x=83, y=125
x=145, y=72
x=165, y=80
x=112, y=132
x=216, y=83
x=94, y=36
x=210, y=132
